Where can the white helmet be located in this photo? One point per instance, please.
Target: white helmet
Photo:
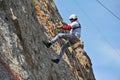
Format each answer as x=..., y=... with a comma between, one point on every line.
x=73, y=16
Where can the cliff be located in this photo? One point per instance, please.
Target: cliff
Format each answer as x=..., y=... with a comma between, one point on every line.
x=23, y=26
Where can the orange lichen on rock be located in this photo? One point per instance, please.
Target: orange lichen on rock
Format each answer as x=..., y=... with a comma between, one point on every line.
x=49, y=26
x=42, y=15
x=40, y=12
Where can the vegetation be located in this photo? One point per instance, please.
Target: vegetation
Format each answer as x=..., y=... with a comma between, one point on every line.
x=35, y=1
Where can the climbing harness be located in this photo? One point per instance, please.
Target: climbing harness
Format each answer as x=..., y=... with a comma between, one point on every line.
x=16, y=49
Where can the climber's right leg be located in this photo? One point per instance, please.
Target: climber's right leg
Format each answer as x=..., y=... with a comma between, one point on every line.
x=47, y=44
x=58, y=36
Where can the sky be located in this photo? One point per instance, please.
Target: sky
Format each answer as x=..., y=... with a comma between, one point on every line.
x=100, y=33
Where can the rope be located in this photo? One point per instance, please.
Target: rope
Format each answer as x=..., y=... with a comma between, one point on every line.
x=79, y=65
x=97, y=28
x=108, y=9
x=16, y=77
x=16, y=49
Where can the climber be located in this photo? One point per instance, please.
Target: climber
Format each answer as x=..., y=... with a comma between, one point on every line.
x=74, y=28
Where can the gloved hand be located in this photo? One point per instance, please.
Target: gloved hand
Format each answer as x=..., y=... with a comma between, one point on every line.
x=64, y=23
x=58, y=27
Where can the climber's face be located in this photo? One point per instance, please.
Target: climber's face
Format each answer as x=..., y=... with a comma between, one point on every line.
x=71, y=20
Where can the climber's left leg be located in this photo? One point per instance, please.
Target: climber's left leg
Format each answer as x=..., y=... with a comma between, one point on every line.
x=63, y=48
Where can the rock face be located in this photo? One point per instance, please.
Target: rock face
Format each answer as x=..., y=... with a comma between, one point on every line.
x=23, y=26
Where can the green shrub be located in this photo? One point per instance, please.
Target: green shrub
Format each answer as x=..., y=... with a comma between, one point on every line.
x=35, y=1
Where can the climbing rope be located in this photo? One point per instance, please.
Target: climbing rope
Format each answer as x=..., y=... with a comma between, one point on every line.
x=79, y=65
x=16, y=77
x=16, y=49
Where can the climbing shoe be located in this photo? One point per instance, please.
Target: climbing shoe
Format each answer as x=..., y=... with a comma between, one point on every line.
x=55, y=61
x=47, y=44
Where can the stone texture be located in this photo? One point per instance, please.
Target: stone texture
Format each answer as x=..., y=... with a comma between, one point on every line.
x=23, y=26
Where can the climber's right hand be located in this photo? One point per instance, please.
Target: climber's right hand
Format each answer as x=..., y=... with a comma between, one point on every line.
x=58, y=27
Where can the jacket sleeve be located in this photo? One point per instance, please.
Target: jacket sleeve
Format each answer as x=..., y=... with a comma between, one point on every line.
x=67, y=27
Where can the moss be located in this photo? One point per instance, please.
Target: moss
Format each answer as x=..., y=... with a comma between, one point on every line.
x=35, y=1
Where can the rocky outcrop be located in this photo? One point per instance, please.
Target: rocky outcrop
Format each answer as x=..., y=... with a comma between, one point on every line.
x=23, y=26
